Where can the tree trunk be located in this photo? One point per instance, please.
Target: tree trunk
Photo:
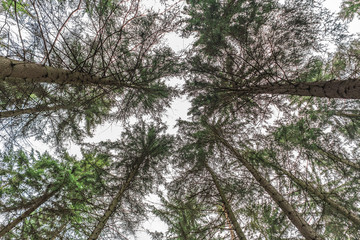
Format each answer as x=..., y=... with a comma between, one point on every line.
x=232, y=235
x=347, y=89
x=323, y=196
x=114, y=203
x=42, y=108
x=304, y=228
x=336, y=158
x=227, y=205
x=58, y=231
x=37, y=204
x=27, y=72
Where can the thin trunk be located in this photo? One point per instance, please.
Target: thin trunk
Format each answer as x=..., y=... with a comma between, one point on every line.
x=114, y=203
x=227, y=205
x=232, y=234
x=27, y=72
x=337, y=158
x=37, y=204
x=323, y=196
x=42, y=108
x=347, y=115
x=304, y=228
x=183, y=233
x=58, y=231
x=348, y=89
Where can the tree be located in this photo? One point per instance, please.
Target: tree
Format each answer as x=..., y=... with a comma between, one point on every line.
x=40, y=193
x=303, y=227
x=105, y=60
x=270, y=149
x=183, y=217
x=349, y=9
x=249, y=53
x=140, y=158
x=227, y=206
x=196, y=184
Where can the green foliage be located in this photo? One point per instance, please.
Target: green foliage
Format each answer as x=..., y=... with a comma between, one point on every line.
x=183, y=217
x=26, y=177
x=15, y=7
x=349, y=9
x=242, y=51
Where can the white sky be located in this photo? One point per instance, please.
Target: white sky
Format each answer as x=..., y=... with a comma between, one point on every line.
x=179, y=108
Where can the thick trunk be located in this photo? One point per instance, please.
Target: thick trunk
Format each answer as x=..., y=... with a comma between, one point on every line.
x=227, y=205
x=27, y=72
x=347, y=89
x=315, y=192
x=114, y=203
x=42, y=108
x=304, y=228
x=27, y=213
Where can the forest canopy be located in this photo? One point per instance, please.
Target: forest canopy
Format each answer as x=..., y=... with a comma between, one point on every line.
x=269, y=148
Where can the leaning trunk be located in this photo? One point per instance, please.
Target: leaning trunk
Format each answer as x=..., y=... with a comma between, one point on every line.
x=336, y=158
x=114, y=203
x=57, y=232
x=304, y=228
x=315, y=192
x=347, y=89
x=29, y=73
x=27, y=213
x=34, y=110
x=227, y=205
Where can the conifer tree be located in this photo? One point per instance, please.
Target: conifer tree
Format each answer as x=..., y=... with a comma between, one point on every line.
x=106, y=59
x=138, y=162
x=42, y=196
x=248, y=53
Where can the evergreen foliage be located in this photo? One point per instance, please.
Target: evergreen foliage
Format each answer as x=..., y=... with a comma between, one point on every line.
x=270, y=150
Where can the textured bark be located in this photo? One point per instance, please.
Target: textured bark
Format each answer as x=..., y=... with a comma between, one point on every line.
x=27, y=213
x=227, y=205
x=304, y=228
x=347, y=89
x=42, y=108
x=232, y=235
x=114, y=203
x=27, y=72
x=323, y=196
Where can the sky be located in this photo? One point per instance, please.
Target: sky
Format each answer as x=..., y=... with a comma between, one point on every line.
x=178, y=110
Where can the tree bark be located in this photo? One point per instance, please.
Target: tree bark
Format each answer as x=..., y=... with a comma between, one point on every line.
x=232, y=235
x=27, y=213
x=227, y=205
x=304, y=228
x=346, y=89
x=27, y=72
x=114, y=203
x=323, y=196
x=37, y=109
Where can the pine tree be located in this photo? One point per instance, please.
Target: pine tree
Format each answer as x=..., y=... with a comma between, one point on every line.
x=139, y=160
x=103, y=61
x=183, y=217
x=40, y=193
x=247, y=54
